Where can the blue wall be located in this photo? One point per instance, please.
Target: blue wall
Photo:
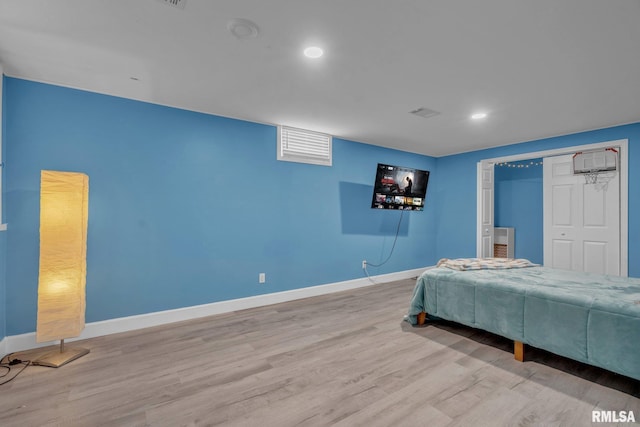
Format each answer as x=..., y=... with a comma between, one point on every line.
x=518, y=204
x=456, y=200
x=188, y=208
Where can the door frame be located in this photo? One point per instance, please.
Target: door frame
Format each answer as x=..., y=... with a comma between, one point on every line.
x=623, y=144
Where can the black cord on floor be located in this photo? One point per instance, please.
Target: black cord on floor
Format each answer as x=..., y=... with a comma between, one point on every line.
x=9, y=364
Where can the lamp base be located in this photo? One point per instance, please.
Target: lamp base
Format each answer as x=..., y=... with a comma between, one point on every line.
x=57, y=358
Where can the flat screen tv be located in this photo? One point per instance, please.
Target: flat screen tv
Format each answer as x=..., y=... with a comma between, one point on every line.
x=399, y=187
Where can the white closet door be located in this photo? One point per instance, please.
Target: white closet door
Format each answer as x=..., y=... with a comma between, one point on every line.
x=485, y=224
x=581, y=221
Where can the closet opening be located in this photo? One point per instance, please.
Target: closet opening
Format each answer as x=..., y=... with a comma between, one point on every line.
x=496, y=177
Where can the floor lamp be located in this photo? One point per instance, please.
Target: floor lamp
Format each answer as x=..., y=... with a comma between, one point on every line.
x=64, y=208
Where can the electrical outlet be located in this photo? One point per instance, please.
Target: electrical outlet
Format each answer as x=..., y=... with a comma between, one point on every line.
x=364, y=263
x=262, y=278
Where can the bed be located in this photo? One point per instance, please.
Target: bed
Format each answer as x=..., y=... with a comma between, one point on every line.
x=591, y=318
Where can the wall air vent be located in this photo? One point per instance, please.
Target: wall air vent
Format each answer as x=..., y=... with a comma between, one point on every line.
x=303, y=146
x=180, y=4
x=424, y=112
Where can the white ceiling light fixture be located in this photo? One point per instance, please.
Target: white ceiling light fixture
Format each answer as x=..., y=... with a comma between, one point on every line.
x=479, y=116
x=242, y=29
x=313, y=52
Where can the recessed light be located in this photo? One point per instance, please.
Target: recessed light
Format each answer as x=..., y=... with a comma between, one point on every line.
x=313, y=52
x=478, y=116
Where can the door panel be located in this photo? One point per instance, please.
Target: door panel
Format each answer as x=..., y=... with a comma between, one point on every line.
x=562, y=254
x=562, y=206
x=595, y=255
x=596, y=213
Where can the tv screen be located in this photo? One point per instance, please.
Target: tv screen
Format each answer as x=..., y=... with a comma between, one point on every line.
x=398, y=187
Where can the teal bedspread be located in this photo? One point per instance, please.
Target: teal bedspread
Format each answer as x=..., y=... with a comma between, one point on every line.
x=591, y=318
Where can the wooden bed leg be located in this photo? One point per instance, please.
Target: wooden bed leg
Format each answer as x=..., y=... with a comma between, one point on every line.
x=422, y=317
x=518, y=351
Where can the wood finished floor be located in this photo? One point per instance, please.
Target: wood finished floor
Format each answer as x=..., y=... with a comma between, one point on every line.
x=345, y=359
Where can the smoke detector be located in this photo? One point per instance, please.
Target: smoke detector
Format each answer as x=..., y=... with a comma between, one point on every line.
x=424, y=112
x=242, y=28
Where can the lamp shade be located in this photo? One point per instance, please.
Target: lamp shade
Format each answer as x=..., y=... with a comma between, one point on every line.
x=64, y=209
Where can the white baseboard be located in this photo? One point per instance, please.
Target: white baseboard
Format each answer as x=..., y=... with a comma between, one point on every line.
x=124, y=324
x=3, y=347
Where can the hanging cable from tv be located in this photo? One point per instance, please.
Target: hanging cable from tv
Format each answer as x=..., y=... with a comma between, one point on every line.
x=392, y=247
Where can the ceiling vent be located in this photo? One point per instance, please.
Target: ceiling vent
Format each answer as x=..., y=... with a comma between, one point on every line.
x=424, y=112
x=180, y=4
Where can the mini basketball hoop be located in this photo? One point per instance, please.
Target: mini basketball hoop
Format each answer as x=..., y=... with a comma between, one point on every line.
x=592, y=163
x=591, y=177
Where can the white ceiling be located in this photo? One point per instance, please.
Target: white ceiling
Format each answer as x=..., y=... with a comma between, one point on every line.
x=540, y=68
